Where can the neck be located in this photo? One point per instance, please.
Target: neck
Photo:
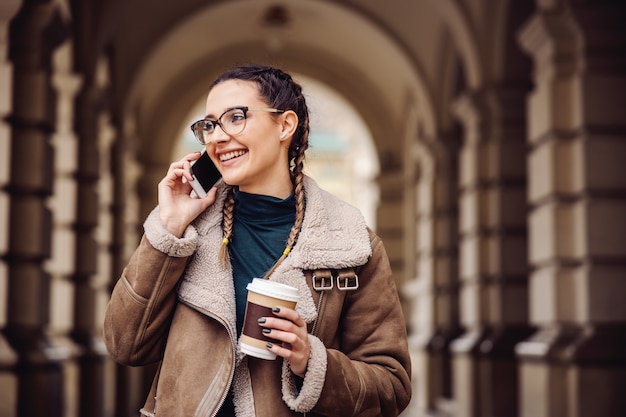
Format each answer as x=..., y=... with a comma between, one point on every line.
x=278, y=189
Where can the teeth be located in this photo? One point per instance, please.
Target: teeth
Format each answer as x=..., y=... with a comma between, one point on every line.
x=231, y=155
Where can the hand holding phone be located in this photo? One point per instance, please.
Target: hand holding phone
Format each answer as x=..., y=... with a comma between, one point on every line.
x=205, y=174
x=178, y=205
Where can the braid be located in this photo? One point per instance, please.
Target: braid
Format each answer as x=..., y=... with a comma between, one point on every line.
x=227, y=225
x=300, y=204
x=298, y=147
x=299, y=195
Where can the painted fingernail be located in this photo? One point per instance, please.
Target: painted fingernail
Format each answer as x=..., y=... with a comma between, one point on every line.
x=276, y=310
x=267, y=331
x=269, y=345
x=262, y=320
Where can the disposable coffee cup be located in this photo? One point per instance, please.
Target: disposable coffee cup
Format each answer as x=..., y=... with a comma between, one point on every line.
x=263, y=295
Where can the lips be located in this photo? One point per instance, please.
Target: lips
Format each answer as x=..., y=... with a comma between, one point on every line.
x=231, y=155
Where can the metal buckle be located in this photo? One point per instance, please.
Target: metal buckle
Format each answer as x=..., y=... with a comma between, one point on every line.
x=347, y=280
x=322, y=283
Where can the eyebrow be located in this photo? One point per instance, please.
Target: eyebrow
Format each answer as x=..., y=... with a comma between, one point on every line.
x=210, y=115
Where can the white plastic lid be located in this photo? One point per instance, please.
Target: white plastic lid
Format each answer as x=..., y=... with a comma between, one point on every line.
x=273, y=289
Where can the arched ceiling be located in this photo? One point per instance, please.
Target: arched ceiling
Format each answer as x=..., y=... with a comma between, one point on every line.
x=382, y=59
x=387, y=58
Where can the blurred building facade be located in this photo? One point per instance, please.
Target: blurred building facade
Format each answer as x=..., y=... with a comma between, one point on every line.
x=500, y=130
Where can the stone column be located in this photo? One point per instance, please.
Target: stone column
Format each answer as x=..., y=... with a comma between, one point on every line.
x=444, y=254
x=433, y=291
x=102, y=376
x=8, y=356
x=575, y=365
x=417, y=182
x=35, y=32
x=472, y=255
x=493, y=266
x=130, y=384
x=93, y=260
x=62, y=204
x=505, y=254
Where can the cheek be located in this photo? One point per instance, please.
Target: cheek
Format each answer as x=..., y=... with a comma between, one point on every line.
x=268, y=147
x=268, y=157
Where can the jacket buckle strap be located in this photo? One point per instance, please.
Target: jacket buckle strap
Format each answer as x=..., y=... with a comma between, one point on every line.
x=347, y=280
x=322, y=280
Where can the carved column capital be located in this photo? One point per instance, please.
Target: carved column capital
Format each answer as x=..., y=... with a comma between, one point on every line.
x=553, y=39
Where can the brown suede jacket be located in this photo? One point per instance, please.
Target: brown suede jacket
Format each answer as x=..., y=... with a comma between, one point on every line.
x=174, y=304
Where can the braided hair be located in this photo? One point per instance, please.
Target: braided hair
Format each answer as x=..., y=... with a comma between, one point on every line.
x=280, y=91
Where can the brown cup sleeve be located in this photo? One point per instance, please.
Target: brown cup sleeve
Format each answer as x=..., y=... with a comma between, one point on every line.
x=251, y=327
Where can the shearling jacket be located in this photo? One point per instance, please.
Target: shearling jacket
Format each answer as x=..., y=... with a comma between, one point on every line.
x=174, y=304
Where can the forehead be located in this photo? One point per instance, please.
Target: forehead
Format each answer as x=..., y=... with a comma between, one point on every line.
x=232, y=93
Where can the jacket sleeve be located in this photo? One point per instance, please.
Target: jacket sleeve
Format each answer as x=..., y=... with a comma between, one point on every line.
x=139, y=312
x=367, y=369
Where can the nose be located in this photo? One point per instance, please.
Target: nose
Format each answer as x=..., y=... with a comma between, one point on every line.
x=217, y=136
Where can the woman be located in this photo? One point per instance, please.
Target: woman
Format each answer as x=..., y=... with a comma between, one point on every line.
x=181, y=298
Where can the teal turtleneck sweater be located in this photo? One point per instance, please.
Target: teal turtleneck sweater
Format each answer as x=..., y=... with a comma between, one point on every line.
x=260, y=231
x=261, y=228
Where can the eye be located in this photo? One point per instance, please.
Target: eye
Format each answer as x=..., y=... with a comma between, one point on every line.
x=236, y=116
x=208, y=126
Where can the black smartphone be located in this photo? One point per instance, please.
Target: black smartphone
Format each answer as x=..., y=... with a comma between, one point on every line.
x=205, y=174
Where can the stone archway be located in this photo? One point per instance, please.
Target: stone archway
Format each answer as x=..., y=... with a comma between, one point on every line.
x=168, y=81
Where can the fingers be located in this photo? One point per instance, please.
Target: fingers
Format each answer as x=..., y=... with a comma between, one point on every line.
x=291, y=315
x=287, y=324
x=288, y=327
x=182, y=167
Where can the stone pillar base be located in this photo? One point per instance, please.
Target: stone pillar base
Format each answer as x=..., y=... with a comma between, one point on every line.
x=574, y=371
x=40, y=373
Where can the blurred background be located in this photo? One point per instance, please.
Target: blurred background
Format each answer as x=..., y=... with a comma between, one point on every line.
x=484, y=141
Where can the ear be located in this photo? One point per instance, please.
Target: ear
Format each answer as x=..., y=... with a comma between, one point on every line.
x=288, y=125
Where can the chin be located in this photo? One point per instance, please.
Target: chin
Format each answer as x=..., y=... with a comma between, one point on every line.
x=231, y=180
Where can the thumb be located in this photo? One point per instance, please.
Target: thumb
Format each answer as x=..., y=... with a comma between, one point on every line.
x=210, y=198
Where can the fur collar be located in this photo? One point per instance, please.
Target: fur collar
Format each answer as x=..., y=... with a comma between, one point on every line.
x=334, y=235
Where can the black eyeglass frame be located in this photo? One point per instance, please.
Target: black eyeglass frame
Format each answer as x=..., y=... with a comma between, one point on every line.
x=198, y=133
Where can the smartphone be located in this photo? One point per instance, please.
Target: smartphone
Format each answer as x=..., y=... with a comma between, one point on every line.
x=205, y=174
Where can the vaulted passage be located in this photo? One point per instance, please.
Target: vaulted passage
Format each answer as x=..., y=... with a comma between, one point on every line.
x=494, y=135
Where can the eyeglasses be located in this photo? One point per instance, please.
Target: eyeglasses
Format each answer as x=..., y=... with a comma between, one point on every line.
x=232, y=122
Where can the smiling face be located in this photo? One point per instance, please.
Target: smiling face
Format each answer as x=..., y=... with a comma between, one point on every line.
x=256, y=159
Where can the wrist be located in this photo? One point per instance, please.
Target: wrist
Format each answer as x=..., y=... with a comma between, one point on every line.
x=174, y=227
